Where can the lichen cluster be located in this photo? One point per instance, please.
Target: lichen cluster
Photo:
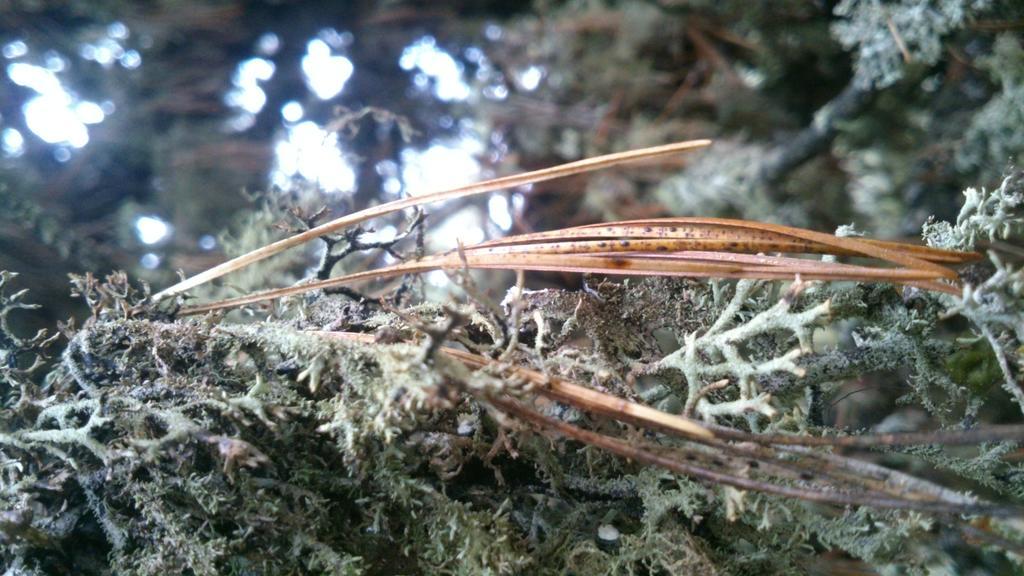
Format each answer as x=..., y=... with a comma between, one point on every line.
x=210, y=447
x=260, y=443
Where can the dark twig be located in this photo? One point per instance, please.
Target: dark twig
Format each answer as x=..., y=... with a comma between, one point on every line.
x=353, y=243
x=813, y=139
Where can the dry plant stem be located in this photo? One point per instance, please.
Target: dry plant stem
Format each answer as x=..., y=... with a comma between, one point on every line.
x=876, y=485
x=996, y=433
x=645, y=456
x=688, y=263
x=570, y=393
x=747, y=234
x=864, y=472
x=738, y=236
x=695, y=247
x=590, y=400
x=561, y=171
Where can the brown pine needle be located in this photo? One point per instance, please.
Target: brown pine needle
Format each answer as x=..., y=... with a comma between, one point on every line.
x=692, y=265
x=879, y=487
x=594, y=401
x=665, y=459
x=623, y=249
x=572, y=168
x=734, y=236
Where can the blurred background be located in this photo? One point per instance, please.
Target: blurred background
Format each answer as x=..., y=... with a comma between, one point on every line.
x=145, y=136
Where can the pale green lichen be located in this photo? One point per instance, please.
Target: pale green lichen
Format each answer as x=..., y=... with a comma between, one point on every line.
x=724, y=181
x=993, y=137
x=706, y=358
x=885, y=35
x=986, y=215
x=218, y=447
x=993, y=304
x=386, y=465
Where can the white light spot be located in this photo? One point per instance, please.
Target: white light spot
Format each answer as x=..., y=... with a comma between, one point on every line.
x=445, y=164
x=247, y=93
x=54, y=62
x=607, y=533
x=496, y=92
x=50, y=117
x=326, y=75
x=463, y=226
x=493, y=32
x=149, y=261
x=152, y=229
x=254, y=70
x=530, y=78
x=12, y=142
x=268, y=44
x=207, y=242
x=331, y=37
x=497, y=208
x=251, y=98
x=15, y=49
x=392, y=185
x=131, y=59
x=388, y=171
x=437, y=278
x=312, y=154
x=106, y=51
x=518, y=202
x=433, y=62
x=89, y=112
x=35, y=77
x=474, y=54
x=386, y=168
x=117, y=30
x=241, y=122
x=292, y=111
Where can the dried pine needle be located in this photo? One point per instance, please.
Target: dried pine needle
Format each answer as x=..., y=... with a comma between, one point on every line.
x=561, y=171
x=691, y=247
x=818, y=475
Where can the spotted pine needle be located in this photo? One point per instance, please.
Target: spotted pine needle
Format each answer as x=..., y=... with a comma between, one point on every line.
x=561, y=171
x=690, y=247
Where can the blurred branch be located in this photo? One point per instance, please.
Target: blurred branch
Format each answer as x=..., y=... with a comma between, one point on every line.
x=816, y=137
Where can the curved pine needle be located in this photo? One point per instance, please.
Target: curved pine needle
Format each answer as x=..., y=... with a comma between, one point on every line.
x=879, y=486
x=666, y=460
x=692, y=264
x=751, y=237
x=572, y=168
x=590, y=400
